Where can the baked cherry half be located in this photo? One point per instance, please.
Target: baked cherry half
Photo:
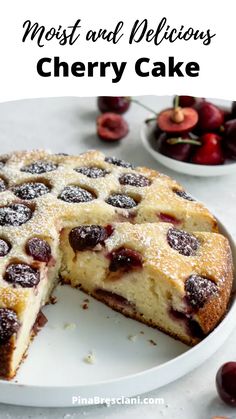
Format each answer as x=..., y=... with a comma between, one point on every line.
x=125, y=259
x=121, y=201
x=39, y=167
x=86, y=237
x=119, y=162
x=39, y=249
x=9, y=324
x=92, y=172
x=14, y=215
x=134, y=179
x=181, y=241
x=5, y=248
x=199, y=290
x=75, y=194
x=22, y=274
x=30, y=190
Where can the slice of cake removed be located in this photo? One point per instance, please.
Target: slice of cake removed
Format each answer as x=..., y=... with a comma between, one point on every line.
x=164, y=277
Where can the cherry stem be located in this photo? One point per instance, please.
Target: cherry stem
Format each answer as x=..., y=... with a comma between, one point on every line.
x=176, y=104
x=149, y=120
x=179, y=140
x=143, y=106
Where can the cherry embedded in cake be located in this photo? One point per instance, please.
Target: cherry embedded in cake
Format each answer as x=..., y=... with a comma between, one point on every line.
x=125, y=259
x=113, y=230
x=22, y=274
x=2, y=185
x=121, y=201
x=39, y=167
x=75, y=194
x=14, y=215
x=9, y=324
x=4, y=247
x=92, y=172
x=87, y=237
x=39, y=249
x=181, y=241
x=134, y=179
x=119, y=162
x=30, y=190
x=183, y=194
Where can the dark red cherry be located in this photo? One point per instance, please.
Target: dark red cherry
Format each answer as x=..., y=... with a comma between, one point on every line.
x=181, y=241
x=134, y=179
x=179, y=151
x=39, y=249
x=87, y=237
x=188, y=101
x=39, y=167
x=177, y=120
x=226, y=383
x=210, y=117
x=211, y=151
x=113, y=299
x=119, y=162
x=230, y=138
x=22, y=274
x=14, y=215
x=9, y=324
x=111, y=127
x=121, y=201
x=233, y=111
x=30, y=190
x=199, y=289
x=75, y=194
x=183, y=194
x=2, y=185
x=5, y=248
x=92, y=172
x=167, y=218
x=125, y=259
x=116, y=104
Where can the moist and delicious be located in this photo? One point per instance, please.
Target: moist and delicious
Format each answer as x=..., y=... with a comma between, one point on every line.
x=129, y=236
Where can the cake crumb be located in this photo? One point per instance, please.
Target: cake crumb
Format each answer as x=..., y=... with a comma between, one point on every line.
x=69, y=326
x=53, y=300
x=90, y=358
x=141, y=332
x=86, y=300
x=133, y=338
x=152, y=342
x=85, y=306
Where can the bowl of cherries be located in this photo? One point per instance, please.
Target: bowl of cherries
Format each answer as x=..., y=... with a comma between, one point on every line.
x=194, y=136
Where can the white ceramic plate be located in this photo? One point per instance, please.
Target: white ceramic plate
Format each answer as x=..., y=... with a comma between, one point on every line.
x=150, y=144
x=54, y=371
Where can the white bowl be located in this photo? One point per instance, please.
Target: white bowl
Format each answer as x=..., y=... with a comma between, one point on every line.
x=150, y=143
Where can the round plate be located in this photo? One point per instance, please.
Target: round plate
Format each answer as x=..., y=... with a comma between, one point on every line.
x=150, y=144
x=130, y=358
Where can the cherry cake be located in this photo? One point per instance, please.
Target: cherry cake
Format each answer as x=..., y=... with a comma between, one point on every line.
x=129, y=236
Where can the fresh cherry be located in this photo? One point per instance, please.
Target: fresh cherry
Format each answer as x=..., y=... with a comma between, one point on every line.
x=211, y=151
x=230, y=138
x=226, y=383
x=9, y=324
x=210, y=117
x=233, y=111
x=179, y=151
x=188, y=101
x=177, y=120
x=111, y=127
x=116, y=104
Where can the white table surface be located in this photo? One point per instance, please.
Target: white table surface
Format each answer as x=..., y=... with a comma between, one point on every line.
x=66, y=124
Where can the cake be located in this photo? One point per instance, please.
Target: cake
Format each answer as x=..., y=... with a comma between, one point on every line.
x=129, y=236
